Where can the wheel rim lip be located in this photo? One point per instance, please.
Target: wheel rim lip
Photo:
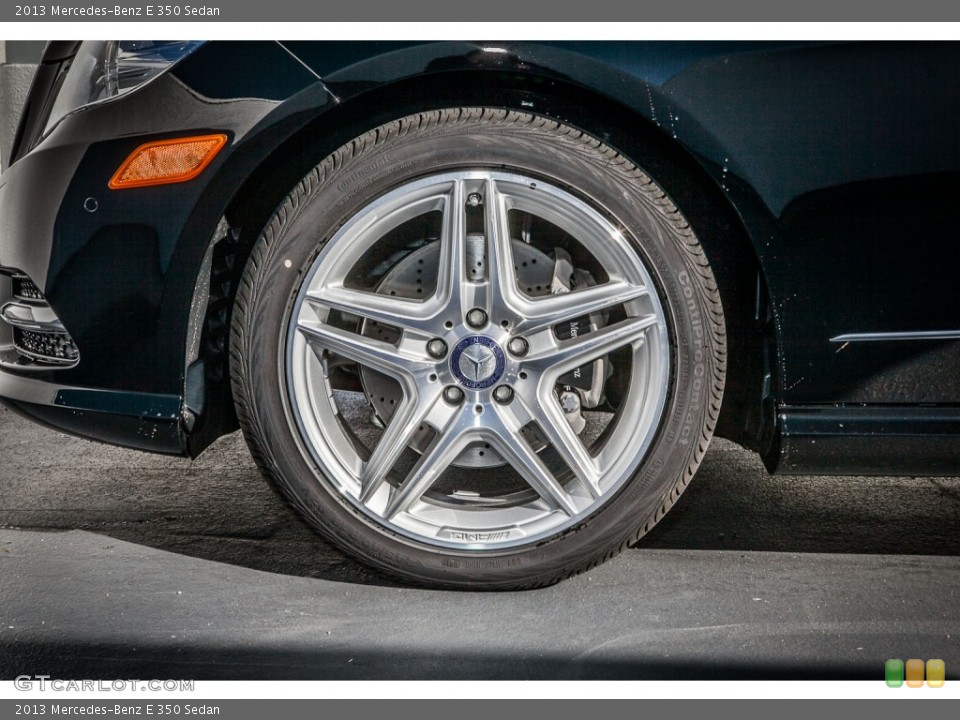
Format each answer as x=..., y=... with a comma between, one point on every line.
x=417, y=527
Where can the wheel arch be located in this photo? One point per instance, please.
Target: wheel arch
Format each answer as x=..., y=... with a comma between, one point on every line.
x=747, y=415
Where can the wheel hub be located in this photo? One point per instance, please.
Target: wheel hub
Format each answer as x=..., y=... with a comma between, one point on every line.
x=477, y=362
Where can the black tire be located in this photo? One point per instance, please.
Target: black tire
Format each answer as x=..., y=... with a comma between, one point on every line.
x=389, y=156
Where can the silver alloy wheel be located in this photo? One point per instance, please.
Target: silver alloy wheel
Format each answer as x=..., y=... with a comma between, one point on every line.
x=483, y=390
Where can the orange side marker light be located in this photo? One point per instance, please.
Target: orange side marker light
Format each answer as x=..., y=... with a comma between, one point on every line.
x=167, y=161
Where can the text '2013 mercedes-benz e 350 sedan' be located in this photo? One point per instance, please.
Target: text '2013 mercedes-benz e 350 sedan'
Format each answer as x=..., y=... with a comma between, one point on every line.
x=479, y=308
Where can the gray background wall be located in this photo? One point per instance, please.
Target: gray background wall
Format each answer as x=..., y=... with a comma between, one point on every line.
x=18, y=59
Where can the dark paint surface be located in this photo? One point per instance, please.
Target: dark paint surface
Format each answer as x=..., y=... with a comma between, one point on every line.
x=841, y=160
x=853, y=154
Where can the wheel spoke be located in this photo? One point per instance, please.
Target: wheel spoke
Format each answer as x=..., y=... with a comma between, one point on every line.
x=504, y=434
x=447, y=444
x=365, y=351
x=566, y=355
x=451, y=277
x=556, y=309
x=564, y=440
x=501, y=285
x=398, y=435
x=409, y=315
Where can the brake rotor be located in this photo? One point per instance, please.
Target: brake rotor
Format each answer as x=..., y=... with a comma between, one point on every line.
x=415, y=277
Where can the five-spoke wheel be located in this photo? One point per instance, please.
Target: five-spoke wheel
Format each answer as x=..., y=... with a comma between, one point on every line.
x=478, y=360
x=478, y=348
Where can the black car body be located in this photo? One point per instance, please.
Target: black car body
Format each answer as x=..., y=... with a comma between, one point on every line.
x=821, y=179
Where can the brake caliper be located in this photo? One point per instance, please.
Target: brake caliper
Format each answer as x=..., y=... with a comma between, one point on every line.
x=582, y=387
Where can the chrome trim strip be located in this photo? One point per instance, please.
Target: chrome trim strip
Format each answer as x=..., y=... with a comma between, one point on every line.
x=875, y=337
x=37, y=318
x=46, y=362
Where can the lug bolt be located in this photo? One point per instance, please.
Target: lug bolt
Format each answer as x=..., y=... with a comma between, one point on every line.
x=518, y=346
x=453, y=395
x=474, y=199
x=503, y=394
x=570, y=402
x=476, y=318
x=437, y=348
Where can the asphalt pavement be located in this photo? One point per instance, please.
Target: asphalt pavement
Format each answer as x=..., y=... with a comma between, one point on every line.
x=115, y=563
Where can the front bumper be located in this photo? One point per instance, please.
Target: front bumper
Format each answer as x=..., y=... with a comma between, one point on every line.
x=118, y=270
x=139, y=420
x=65, y=395
x=97, y=278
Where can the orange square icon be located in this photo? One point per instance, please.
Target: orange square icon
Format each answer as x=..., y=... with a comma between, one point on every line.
x=914, y=673
x=936, y=673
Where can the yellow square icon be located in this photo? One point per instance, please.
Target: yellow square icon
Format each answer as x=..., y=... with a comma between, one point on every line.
x=915, y=673
x=936, y=673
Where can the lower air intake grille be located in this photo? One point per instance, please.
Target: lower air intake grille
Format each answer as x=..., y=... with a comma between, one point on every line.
x=39, y=339
x=54, y=348
x=24, y=288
